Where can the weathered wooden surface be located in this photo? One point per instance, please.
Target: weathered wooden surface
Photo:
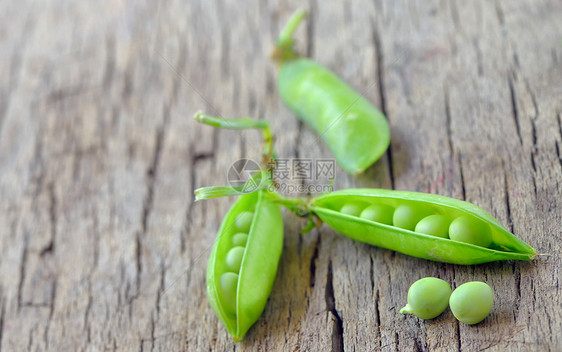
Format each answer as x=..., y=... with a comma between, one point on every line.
x=103, y=248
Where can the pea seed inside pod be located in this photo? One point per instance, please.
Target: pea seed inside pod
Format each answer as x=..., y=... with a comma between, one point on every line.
x=378, y=213
x=240, y=239
x=427, y=298
x=435, y=225
x=353, y=209
x=471, y=230
x=228, y=284
x=406, y=216
x=233, y=259
x=472, y=302
x=244, y=221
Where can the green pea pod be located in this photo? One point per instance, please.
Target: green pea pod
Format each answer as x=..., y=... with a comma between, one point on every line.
x=356, y=132
x=500, y=244
x=243, y=263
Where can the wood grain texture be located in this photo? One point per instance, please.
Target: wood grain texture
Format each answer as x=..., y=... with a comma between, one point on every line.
x=103, y=248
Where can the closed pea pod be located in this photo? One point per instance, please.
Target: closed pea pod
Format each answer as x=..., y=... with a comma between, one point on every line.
x=242, y=266
x=503, y=246
x=356, y=132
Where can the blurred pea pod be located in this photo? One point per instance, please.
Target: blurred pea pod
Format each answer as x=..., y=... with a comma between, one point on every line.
x=356, y=132
x=473, y=236
x=243, y=263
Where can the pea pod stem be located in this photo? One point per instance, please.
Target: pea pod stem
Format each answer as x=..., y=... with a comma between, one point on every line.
x=286, y=40
x=244, y=123
x=406, y=309
x=299, y=206
x=259, y=180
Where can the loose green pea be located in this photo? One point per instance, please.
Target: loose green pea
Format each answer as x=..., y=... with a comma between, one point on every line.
x=472, y=302
x=352, y=209
x=427, y=298
x=470, y=230
x=240, y=239
x=435, y=225
x=233, y=259
x=244, y=221
x=228, y=284
x=356, y=132
x=406, y=216
x=378, y=213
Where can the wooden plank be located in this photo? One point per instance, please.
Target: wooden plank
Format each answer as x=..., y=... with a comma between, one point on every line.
x=103, y=248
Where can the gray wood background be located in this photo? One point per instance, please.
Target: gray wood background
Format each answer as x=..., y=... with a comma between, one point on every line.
x=101, y=244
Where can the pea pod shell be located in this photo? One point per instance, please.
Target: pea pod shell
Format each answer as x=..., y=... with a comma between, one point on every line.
x=259, y=263
x=505, y=245
x=356, y=132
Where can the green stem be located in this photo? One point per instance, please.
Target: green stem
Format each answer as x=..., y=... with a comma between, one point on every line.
x=241, y=124
x=286, y=40
x=406, y=309
x=258, y=181
x=283, y=50
x=299, y=206
x=230, y=124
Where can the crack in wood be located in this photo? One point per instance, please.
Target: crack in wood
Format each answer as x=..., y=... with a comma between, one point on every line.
x=479, y=64
x=152, y=171
x=517, y=272
x=514, y=110
x=109, y=68
x=458, y=335
x=50, y=248
x=162, y=289
x=382, y=97
x=463, y=189
x=96, y=240
x=51, y=314
x=455, y=14
x=378, y=311
x=87, y=311
x=22, y=272
x=534, y=147
x=557, y=147
x=193, y=176
x=506, y=199
x=448, y=119
x=312, y=267
x=2, y=317
x=558, y=120
x=371, y=273
x=499, y=14
x=337, y=327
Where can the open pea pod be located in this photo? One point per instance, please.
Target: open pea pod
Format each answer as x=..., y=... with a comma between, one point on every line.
x=243, y=263
x=397, y=220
